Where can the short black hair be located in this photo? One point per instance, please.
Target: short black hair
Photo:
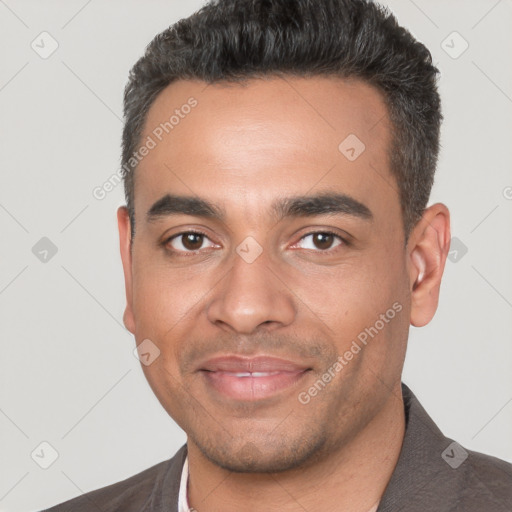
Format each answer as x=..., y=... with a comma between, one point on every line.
x=236, y=40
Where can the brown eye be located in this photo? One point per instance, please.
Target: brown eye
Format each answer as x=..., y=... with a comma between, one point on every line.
x=189, y=242
x=323, y=240
x=320, y=241
x=192, y=241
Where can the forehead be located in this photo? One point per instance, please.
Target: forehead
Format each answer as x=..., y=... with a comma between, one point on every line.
x=264, y=138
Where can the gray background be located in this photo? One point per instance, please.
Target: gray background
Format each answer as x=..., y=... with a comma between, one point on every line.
x=68, y=374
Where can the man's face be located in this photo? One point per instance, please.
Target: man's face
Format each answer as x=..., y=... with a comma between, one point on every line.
x=293, y=250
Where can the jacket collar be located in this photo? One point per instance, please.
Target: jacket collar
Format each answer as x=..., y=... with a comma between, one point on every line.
x=421, y=474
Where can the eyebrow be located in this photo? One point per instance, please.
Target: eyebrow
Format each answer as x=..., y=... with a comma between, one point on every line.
x=321, y=204
x=298, y=206
x=183, y=205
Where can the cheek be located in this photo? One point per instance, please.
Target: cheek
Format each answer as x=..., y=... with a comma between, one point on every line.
x=377, y=280
x=163, y=378
x=355, y=291
x=379, y=315
x=350, y=298
x=163, y=298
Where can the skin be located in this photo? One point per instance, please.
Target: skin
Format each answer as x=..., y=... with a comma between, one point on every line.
x=241, y=148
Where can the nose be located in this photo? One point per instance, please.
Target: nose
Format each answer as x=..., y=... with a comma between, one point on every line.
x=250, y=296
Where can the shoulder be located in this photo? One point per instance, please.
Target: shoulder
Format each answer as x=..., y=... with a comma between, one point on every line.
x=435, y=472
x=136, y=493
x=488, y=481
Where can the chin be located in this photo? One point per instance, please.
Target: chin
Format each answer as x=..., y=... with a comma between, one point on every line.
x=262, y=457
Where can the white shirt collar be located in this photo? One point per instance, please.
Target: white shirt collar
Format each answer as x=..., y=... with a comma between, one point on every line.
x=183, y=498
x=182, y=495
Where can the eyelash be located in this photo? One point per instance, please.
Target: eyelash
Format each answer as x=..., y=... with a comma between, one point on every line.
x=177, y=235
x=344, y=241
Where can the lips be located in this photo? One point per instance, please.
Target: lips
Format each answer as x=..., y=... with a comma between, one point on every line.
x=238, y=364
x=251, y=378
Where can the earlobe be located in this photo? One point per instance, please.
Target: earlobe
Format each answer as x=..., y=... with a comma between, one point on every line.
x=123, y=223
x=428, y=250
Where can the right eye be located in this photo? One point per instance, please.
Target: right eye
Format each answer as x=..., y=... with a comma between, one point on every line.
x=189, y=241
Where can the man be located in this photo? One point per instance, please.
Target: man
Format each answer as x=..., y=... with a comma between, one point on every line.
x=276, y=246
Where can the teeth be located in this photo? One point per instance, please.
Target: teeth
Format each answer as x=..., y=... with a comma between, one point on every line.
x=254, y=374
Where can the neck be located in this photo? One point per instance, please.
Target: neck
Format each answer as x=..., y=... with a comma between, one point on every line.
x=353, y=477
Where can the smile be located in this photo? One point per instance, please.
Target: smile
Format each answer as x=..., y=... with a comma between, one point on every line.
x=251, y=386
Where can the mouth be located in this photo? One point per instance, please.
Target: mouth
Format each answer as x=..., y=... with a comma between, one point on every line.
x=251, y=379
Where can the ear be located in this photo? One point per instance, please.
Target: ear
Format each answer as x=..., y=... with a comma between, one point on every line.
x=123, y=223
x=427, y=251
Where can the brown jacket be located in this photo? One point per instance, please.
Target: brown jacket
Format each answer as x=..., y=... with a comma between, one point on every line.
x=433, y=473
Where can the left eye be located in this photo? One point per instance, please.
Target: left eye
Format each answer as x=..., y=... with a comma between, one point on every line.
x=320, y=241
x=191, y=241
